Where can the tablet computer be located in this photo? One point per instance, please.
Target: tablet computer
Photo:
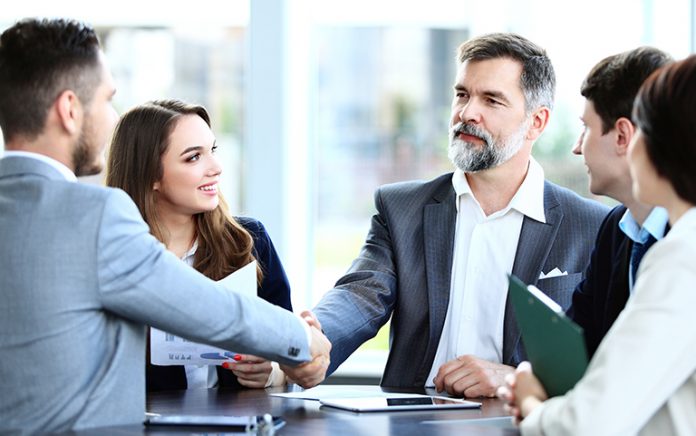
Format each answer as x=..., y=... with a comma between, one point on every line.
x=389, y=404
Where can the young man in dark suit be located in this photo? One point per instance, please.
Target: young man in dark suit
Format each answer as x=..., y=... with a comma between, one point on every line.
x=630, y=228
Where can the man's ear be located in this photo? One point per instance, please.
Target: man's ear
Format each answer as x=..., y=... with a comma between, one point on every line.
x=539, y=121
x=70, y=111
x=624, y=133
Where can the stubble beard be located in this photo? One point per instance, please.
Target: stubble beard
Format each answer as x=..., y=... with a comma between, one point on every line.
x=84, y=154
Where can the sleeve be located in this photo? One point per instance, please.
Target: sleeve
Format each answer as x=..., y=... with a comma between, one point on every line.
x=361, y=301
x=595, y=282
x=140, y=280
x=275, y=287
x=637, y=368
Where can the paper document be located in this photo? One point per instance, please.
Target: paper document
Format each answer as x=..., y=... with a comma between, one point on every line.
x=167, y=349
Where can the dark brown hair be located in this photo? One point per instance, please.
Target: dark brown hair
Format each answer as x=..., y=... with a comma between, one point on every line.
x=39, y=59
x=135, y=164
x=665, y=111
x=613, y=83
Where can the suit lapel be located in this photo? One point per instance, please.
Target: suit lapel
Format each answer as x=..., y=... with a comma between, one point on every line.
x=439, y=221
x=533, y=248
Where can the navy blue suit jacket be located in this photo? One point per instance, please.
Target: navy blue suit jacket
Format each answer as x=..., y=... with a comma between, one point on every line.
x=601, y=296
x=274, y=288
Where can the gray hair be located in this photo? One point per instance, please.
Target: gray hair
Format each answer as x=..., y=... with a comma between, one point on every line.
x=538, y=80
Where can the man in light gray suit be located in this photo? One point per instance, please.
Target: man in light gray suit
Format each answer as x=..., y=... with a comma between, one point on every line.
x=438, y=253
x=81, y=275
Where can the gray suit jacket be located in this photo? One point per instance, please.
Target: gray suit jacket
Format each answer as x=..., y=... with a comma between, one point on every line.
x=80, y=278
x=404, y=270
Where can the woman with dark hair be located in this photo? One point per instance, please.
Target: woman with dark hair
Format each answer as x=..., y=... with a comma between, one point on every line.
x=163, y=155
x=643, y=377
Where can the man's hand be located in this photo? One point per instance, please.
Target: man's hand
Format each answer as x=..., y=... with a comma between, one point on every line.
x=311, y=319
x=313, y=372
x=470, y=376
x=522, y=392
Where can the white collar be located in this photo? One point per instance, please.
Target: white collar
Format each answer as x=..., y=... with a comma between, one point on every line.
x=529, y=198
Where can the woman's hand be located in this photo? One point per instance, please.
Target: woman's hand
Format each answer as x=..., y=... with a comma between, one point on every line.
x=255, y=372
x=522, y=392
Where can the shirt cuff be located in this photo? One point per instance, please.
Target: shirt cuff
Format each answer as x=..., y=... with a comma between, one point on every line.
x=276, y=377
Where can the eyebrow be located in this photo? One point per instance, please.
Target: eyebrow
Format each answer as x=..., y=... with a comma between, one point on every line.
x=196, y=148
x=190, y=149
x=490, y=93
x=496, y=95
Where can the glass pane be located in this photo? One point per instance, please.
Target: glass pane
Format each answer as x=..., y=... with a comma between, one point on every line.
x=383, y=101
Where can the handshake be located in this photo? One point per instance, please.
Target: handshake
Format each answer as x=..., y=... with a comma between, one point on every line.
x=310, y=374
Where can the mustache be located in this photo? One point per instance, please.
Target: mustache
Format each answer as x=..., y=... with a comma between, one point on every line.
x=471, y=130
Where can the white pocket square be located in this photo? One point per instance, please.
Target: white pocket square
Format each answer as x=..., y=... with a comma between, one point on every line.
x=553, y=273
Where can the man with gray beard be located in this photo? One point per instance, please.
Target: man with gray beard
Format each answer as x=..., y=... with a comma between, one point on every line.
x=438, y=253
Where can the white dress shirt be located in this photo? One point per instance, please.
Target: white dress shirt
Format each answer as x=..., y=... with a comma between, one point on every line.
x=484, y=253
x=198, y=376
x=642, y=380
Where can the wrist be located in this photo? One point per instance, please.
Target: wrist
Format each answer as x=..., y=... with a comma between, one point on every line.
x=528, y=404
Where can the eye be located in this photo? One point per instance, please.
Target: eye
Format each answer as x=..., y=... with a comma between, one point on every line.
x=193, y=157
x=214, y=148
x=460, y=94
x=493, y=102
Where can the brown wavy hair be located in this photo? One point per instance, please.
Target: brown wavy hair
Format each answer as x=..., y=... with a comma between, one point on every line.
x=135, y=163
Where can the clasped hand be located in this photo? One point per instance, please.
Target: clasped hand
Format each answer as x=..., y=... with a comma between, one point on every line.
x=469, y=376
x=522, y=392
x=312, y=373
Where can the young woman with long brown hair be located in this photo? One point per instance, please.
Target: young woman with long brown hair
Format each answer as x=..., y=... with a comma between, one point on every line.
x=163, y=155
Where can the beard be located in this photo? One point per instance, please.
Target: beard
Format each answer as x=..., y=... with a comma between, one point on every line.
x=84, y=154
x=470, y=157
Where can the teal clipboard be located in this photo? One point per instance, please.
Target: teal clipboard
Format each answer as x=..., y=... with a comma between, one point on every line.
x=555, y=344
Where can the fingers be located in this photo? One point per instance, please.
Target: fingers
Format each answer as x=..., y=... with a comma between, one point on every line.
x=471, y=377
x=448, y=374
x=248, y=358
x=311, y=319
x=312, y=373
x=251, y=371
x=252, y=383
x=308, y=374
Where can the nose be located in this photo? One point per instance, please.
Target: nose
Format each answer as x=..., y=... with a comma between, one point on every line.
x=215, y=169
x=469, y=113
x=577, y=148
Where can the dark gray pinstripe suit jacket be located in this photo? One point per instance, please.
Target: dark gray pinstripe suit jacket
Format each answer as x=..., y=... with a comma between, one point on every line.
x=404, y=270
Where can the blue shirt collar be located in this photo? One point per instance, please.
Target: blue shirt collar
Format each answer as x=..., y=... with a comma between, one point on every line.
x=654, y=225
